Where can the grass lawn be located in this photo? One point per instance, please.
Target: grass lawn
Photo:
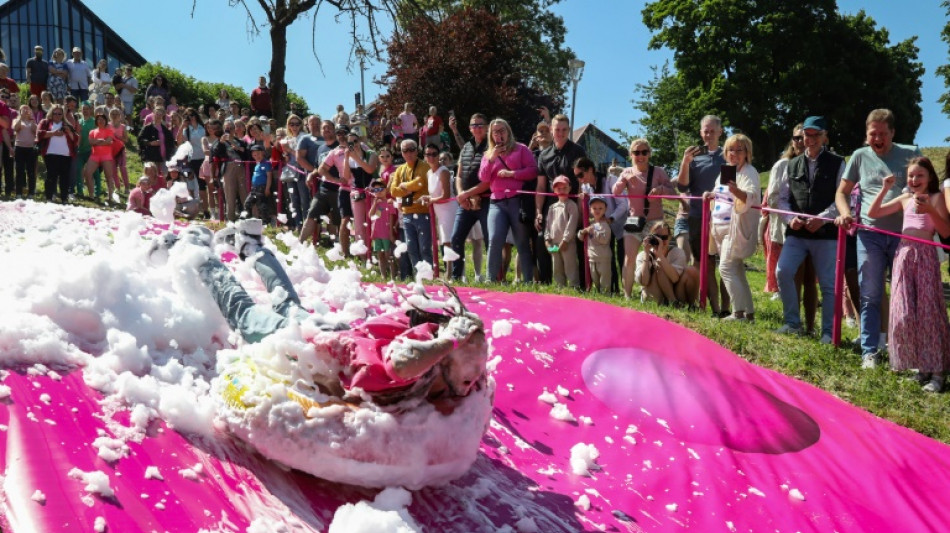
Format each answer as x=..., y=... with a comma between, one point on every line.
x=837, y=371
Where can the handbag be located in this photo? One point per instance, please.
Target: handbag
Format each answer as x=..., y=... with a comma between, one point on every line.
x=287, y=175
x=636, y=224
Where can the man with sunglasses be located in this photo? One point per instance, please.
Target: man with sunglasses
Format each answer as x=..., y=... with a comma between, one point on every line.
x=555, y=160
x=808, y=186
x=472, y=193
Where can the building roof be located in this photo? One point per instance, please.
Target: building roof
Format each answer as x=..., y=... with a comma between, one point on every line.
x=116, y=43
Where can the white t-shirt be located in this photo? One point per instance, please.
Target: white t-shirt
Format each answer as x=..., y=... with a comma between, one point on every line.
x=57, y=144
x=125, y=94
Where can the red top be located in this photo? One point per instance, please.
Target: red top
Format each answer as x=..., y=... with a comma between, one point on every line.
x=103, y=151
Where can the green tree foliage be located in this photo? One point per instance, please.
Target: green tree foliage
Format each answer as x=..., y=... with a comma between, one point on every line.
x=765, y=66
x=945, y=69
x=190, y=91
x=453, y=65
x=543, y=63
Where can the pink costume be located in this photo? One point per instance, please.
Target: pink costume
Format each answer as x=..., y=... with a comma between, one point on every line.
x=363, y=352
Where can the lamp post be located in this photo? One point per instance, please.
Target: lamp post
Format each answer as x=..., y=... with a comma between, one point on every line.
x=361, y=54
x=576, y=67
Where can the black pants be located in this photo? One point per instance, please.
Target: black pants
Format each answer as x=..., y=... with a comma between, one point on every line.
x=6, y=160
x=57, y=173
x=257, y=198
x=25, y=162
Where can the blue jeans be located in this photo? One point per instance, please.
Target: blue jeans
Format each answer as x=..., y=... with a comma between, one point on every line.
x=81, y=94
x=418, y=238
x=252, y=321
x=300, y=198
x=502, y=216
x=465, y=219
x=794, y=252
x=875, y=253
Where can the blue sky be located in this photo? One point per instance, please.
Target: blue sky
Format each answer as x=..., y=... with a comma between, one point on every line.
x=612, y=41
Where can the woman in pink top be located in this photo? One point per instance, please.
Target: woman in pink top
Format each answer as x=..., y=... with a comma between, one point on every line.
x=918, y=331
x=505, y=167
x=101, y=139
x=633, y=182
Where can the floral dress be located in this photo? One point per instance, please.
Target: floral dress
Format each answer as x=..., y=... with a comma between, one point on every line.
x=56, y=85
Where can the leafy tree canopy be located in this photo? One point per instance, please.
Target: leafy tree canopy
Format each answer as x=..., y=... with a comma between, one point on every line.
x=452, y=65
x=765, y=66
x=544, y=61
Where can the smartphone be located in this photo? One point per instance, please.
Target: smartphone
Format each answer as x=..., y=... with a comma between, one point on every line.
x=727, y=174
x=701, y=147
x=451, y=112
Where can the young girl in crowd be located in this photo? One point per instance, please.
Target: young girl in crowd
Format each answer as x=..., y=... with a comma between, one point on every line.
x=24, y=153
x=121, y=135
x=46, y=101
x=382, y=215
x=597, y=236
x=919, y=331
x=559, y=232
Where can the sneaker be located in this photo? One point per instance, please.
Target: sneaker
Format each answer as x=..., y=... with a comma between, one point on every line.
x=921, y=378
x=731, y=318
x=825, y=339
x=249, y=237
x=225, y=238
x=850, y=322
x=197, y=234
x=789, y=330
x=776, y=296
x=935, y=384
x=871, y=360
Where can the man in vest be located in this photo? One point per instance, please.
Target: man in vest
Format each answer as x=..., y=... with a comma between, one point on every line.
x=472, y=193
x=808, y=186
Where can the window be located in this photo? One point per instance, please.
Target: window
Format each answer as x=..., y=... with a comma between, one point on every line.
x=99, y=51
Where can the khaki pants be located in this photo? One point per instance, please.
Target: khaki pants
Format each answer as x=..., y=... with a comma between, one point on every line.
x=234, y=183
x=565, y=265
x=733, y=273
x=600, y=276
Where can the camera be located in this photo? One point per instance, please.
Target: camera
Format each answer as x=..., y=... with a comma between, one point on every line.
x=652, y=240
x=702, y=149
x=351, y=145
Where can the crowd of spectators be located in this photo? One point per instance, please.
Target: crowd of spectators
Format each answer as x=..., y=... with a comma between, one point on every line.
x=570, y=224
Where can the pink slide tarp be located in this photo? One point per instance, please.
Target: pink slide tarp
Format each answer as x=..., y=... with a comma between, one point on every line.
x=689, y=436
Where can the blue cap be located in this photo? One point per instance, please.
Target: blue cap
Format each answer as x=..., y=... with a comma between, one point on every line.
x=814, y=123
x=596, y=199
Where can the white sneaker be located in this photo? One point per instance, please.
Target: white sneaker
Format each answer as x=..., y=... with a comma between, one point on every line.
x=850, y=322
x=935, y=384
x=776, y=296
x=825, y=339
x=869, y=361
x=788, y=330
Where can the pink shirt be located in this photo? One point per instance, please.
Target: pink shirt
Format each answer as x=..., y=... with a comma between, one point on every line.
x=362, y=351
x=102, y=152
x=336, y=158
x=520, y=160
x=634, y=183
x=383, y=224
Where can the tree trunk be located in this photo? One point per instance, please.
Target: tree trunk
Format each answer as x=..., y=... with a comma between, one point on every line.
x=278, y=69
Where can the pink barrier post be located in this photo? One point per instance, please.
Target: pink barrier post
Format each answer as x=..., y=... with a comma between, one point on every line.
x=585, y=209
x=279, y=167
x=435, y=240
x=704, y=256
x=839, y=286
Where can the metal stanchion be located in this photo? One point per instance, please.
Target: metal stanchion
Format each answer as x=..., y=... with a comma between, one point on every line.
x=704, y=255
x=435, y=240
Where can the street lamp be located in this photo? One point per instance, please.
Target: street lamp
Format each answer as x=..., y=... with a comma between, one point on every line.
x=361, y=54
x=576, y=67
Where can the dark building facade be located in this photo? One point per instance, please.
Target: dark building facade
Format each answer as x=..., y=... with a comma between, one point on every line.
x=56, y=24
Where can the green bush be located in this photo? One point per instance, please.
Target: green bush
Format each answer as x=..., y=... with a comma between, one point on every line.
x=190, y=91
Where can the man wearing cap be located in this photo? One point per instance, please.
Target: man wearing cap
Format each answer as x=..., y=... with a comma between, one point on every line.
x=37, y=71
x=808, y=186
x=868, y=167
x=261, y=184
x=79, y=75
x=409, y=183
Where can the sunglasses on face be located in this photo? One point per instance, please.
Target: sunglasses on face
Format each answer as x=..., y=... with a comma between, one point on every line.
x=476, y=126
x=432, y=154
x=639, y=152
x=408, y=150
x=797, y=138
x=294, y=123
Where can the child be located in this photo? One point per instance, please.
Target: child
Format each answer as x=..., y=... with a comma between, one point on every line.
x=919, y=332
x=382, y=214
x=139, y=197
x=598, y=247
x=261, y=184
x=559, y=234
